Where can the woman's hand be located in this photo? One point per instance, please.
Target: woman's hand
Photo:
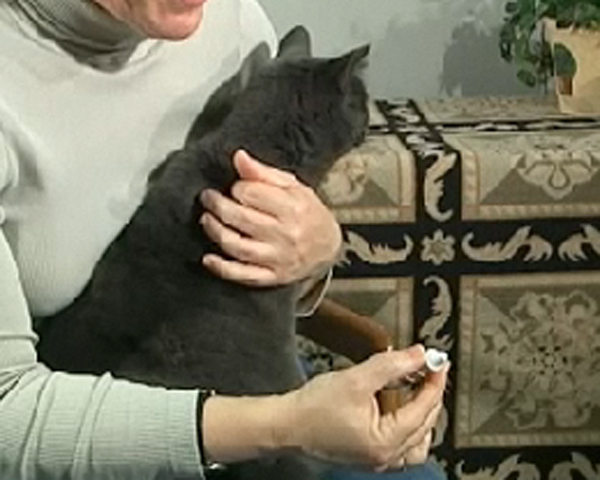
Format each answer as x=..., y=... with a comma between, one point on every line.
x=275, y=228
x=351, y=429
x=335, y=416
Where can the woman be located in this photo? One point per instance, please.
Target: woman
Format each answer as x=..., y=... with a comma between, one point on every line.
x=93, y=95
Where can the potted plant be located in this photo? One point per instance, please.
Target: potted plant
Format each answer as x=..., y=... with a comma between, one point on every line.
x=557, y=39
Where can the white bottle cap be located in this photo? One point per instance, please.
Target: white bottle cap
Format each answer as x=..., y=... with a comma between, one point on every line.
x=435, y=359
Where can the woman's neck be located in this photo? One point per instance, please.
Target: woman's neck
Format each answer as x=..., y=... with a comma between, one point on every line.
x=84, y=30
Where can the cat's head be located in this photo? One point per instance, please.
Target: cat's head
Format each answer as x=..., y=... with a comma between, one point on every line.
x=299, y=112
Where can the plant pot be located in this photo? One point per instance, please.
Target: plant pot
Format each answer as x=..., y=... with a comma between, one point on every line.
x=576, y=55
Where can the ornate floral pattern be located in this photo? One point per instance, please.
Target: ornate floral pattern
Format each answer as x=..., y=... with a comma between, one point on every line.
x=434, y=186
x=373, y=253
x=438, y=249
x=538, y=248
x=547, y=360
x=572, y=248
x=473, y=225
x=431, y=332
x=557, y=164
x=578, y=465
x=511, y=468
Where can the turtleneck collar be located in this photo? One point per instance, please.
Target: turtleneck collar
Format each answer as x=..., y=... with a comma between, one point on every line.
x=84, y=30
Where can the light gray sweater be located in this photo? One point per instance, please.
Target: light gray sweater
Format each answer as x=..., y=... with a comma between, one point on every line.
x=82, y=122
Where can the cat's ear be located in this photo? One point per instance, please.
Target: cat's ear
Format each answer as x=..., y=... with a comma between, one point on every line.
x=349, y=65
x=254, y=62
x=295, y=44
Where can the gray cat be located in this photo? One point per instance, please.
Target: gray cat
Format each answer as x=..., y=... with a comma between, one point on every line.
x=151, y=312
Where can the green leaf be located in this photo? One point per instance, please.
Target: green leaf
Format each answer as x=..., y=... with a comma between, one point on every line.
x=511, y=7
x=565, y=64
x=520, y=43
x=587, y=16
x=527, y=77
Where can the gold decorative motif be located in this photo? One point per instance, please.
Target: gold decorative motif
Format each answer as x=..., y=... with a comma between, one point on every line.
x=539, y=249
x=374, y=253
x=434, y=186
x=572, y=248
x=557, y=165
x=424, y=146
x=504, y=176
x=529, y=360
x=345, y=182
x=405, y=112
x=511, y=468
x=543, y=361
x=442, y=309
x=373, y=183
x=438, y=249
x=580, y=464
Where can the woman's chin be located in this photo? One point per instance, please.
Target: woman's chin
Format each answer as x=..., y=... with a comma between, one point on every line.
x=179, y=27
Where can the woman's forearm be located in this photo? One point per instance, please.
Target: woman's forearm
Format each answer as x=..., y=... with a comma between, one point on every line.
x=241, y=428
x=334, y=417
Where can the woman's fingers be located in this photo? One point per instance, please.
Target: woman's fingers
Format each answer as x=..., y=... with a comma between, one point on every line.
x=235, y=245
x=389, y=367
x=244, y=219
x=251, y=169
x=273, y=226
x=416, y=413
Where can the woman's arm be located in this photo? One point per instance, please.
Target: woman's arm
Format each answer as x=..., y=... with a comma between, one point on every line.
x=82, y=427
x=350, y=430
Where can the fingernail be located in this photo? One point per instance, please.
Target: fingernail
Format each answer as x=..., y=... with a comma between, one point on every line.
x=418, y=347
x=241, y=153
x=205, y=197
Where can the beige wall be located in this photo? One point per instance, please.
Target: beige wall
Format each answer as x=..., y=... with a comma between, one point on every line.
x=420, y=48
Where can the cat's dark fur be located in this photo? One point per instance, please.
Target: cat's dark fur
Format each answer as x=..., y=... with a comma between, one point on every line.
x=151, y=312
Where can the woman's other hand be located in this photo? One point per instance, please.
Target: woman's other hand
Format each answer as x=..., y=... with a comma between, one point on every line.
x=335, y=416
x=274, y=227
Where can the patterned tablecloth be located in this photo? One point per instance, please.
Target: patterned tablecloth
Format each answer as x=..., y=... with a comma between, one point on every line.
x=473, y=225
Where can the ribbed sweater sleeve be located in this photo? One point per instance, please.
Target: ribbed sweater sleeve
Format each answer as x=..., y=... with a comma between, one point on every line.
x=57, y=426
